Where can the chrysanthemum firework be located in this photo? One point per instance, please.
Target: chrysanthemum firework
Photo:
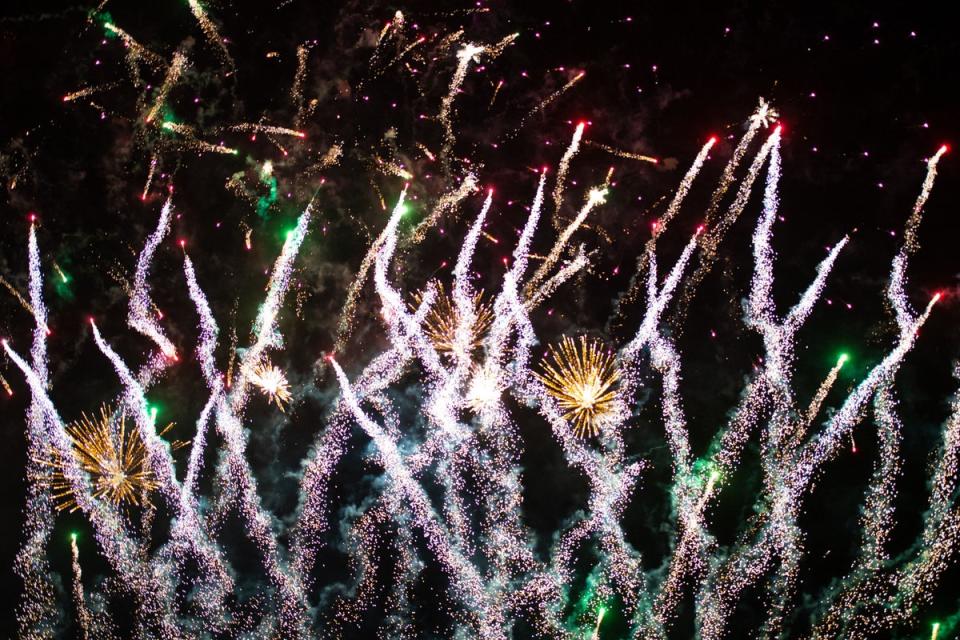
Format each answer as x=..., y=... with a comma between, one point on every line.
x=581, y=375
x=113, y=456
x=440, y=325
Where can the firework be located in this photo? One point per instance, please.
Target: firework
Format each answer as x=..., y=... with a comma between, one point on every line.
x=23, y=303
x=267, y=129
x=210, y=30
x=621, y=153
x=191, y=141
x=83, y=615
x=176, y=69
x=659, y=227
x=562, y=168
x=443, y=319
x=271, y=382
x=595, y=197
x=764, y=115
x=113, y=456
x=485, y=388
x=581, y=375
x=546, y=102
x=468, y=53
x=87, y=91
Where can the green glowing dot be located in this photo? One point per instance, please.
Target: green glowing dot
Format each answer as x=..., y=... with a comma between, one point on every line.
x=714, y=476
x=843, y=358
x=73, y=536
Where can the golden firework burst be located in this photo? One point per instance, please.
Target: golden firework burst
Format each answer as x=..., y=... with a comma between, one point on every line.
x=272, y=382
x=582, y=377
x=441, y=322
x=114, y=457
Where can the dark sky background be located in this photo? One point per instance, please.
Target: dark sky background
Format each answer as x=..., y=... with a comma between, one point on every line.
x=866, y=94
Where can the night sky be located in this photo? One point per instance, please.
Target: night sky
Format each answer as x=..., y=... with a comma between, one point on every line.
x=865, y=93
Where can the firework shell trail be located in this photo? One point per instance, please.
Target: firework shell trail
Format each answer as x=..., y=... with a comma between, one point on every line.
x=562, y=169
x=176, y=69
x=659, y=227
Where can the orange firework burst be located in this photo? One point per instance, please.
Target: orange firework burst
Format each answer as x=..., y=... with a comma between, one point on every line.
x=441, y=322
x=114, y=457
x=582, y=377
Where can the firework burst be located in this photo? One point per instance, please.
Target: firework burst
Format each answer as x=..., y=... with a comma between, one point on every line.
x=272, y=382
x=113, y=456
x=484, y=389
x=440, y=325
x=582, y=377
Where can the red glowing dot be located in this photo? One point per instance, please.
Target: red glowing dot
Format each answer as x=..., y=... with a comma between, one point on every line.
x=32, y=217
x=183, y=243
x=937, y=296
x=699, y=229
x=712, y=140
x=779, y=128
x=945, y=148
x=90, y=319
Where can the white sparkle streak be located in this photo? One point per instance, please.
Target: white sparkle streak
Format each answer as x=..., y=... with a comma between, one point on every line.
x=140, y=316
